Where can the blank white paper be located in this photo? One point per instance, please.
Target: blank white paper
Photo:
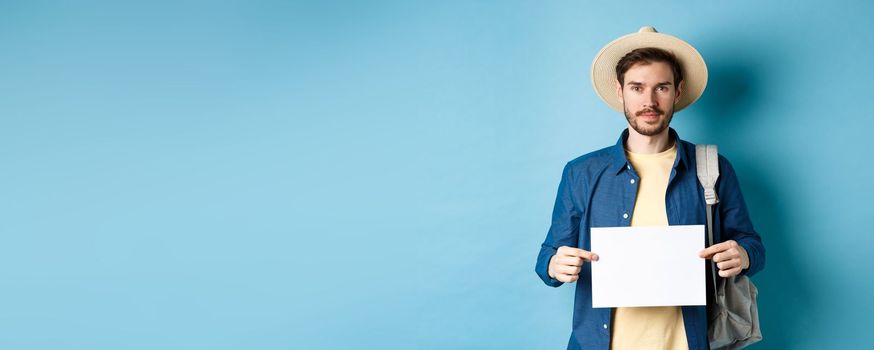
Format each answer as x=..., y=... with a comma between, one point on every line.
x=648, y=266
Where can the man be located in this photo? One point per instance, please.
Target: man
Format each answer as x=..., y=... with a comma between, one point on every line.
x=648, y=178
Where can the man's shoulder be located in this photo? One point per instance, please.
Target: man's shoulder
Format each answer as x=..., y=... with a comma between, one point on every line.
x=593, y=161
x=725, y=167
x=689, y=147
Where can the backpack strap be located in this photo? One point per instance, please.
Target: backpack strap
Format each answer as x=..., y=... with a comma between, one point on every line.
x=708, y=170
x=707, y=161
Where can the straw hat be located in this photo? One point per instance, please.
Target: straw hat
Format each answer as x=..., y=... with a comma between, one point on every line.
x=604, y=65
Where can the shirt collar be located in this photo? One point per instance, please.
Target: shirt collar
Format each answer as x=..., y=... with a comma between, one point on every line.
x=620, y=161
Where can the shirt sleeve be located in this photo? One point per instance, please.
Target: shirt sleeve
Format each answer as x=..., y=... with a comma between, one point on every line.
x=735, y=219
x=565, y=227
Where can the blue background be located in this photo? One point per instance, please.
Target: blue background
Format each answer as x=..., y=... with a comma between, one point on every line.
x=380, y=174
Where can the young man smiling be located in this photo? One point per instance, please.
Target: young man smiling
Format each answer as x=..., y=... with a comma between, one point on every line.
x=648, y=178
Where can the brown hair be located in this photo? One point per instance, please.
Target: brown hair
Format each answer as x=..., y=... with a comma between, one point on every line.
x=647, y=55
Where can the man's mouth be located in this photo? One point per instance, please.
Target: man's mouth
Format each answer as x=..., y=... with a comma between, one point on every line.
x=649, y=115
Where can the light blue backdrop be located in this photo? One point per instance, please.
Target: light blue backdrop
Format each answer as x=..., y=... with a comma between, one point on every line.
x=380, y=174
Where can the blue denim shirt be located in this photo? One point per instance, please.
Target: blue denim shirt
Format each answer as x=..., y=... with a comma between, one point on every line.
x=596, y=191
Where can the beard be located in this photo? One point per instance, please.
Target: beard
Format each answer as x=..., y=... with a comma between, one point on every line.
x=645, y=128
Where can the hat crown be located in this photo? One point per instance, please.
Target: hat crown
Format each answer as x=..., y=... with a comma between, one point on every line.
x=647, y=29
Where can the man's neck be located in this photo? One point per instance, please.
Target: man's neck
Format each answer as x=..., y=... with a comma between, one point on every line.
x=638, y=143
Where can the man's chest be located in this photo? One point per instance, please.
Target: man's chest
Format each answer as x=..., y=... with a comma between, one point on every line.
x=611, y=200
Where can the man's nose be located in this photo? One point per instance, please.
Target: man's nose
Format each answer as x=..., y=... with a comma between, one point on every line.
x=651, y=100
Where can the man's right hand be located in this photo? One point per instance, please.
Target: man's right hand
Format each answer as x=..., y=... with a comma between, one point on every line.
x=565, y=265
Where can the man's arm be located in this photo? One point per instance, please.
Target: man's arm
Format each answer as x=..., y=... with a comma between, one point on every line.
x=564, y=230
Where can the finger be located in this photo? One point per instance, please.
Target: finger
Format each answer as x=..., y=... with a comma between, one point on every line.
x=730, y=272
x=563, y=250
x=708, y=252
x=566, y=278
x=718, y=248
x=587, y=255
x=570, y=261
x=568, y=270
x=726, y=255
x=569, y=251
x=577, y=252
x=573, y=278
x=728, y=264
x=566, y=251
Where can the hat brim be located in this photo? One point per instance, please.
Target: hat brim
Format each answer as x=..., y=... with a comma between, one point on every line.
x=604, y=66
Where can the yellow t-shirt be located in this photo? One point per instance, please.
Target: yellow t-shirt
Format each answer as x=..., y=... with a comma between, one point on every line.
x=650, y=327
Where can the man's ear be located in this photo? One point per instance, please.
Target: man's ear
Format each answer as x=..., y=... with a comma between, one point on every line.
x=619, y=92
x=679, y=91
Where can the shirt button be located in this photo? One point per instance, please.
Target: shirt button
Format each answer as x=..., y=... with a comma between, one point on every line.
x=632, y=181
x=625, y=216
x=628, y=167
x=605, y=326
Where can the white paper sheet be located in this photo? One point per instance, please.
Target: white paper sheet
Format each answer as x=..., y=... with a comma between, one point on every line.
x=648, y=266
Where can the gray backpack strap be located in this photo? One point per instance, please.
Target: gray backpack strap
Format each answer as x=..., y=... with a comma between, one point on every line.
x=707, y=160
x=708, y=170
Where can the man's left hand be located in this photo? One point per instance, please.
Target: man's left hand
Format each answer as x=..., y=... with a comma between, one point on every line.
x=728, y=256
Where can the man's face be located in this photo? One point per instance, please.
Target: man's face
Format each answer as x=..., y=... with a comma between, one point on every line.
x=648, y=97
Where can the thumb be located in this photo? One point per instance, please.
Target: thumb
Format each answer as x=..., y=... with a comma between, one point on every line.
x=587, y=255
